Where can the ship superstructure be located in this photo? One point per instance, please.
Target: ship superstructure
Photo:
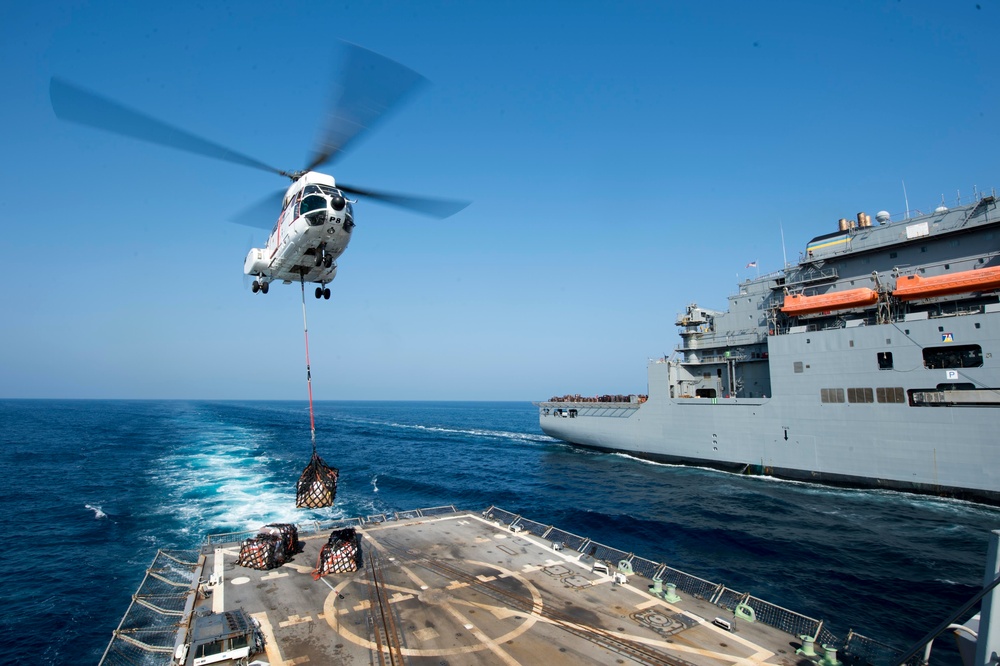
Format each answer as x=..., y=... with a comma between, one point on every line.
x=870, y=362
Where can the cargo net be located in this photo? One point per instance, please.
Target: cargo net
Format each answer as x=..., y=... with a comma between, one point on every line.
x=317, y=486
x=340, y=554
x=274, y=545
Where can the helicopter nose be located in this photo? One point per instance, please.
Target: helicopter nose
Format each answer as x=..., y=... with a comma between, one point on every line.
x=338, y=202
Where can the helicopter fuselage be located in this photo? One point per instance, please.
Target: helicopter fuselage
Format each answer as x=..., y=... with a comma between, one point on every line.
x=312, y=231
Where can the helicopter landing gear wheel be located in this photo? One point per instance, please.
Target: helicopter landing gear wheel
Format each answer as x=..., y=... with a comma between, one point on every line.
x=328, y=260
x=319, y=257
x=326, y=293
x=319, y=292
x=255, y=287
x=263, y=287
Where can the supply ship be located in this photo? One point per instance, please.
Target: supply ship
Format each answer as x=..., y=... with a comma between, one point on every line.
x=869, y=363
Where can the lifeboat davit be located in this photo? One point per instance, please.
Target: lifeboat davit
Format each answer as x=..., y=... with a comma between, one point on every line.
x=912, y=287
x=797, y=304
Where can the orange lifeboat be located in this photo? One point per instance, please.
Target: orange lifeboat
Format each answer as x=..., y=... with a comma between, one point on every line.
x=912, y=287
x=797, y=304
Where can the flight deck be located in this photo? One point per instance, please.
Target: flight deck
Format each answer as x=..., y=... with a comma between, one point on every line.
x=445, y=588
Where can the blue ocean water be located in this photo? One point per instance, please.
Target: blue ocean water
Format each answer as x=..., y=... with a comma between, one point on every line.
x=92, y=489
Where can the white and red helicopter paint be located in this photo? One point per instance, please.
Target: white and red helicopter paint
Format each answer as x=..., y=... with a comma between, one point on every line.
x=316, y=220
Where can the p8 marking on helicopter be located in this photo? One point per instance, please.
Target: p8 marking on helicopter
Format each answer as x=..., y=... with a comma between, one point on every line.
x=316, y=220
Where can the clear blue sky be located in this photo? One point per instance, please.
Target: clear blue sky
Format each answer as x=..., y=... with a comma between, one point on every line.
x=623, y=158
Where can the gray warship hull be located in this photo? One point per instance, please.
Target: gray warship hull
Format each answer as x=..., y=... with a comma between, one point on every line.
x=870, y=363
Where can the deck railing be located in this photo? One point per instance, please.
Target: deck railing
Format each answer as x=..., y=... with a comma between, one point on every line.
x=151, y=627
x=783, y=619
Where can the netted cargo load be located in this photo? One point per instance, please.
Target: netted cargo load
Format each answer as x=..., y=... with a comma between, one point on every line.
x=340, y=554
x=262, y=552
x=274, y=545
x=287, y=532
x=317, y=486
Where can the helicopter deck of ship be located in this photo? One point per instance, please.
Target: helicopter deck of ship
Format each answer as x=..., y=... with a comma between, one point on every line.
x=462, y=589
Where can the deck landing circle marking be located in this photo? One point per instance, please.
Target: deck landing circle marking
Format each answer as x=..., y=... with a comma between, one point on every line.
x=242, y=580
x=333, y=619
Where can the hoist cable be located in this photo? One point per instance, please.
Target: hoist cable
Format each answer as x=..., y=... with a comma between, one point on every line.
x=305, y=329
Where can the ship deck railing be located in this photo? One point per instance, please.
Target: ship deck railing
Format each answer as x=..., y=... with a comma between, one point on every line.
x=718, y=594
x=149, y=630
x=156, y=620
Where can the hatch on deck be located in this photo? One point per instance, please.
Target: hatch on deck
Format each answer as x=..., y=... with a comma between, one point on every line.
x=220, y=638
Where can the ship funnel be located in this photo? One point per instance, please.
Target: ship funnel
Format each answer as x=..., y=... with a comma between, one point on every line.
x=864, y=220
x=843, y=224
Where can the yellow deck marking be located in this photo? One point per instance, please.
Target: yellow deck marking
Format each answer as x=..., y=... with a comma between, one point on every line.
x=301, y=568
x=483, y=638
x=486, y=579
x=414, y=577
x=500, y=612
x=273, y=575
x=455, y=585
x=293, y=620
x=270, y=645
x=331, y=613
x=400, y=589
x=427, y=634
x=649, y=604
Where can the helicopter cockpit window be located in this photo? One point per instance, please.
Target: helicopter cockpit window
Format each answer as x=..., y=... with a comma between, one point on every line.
x=312, y=202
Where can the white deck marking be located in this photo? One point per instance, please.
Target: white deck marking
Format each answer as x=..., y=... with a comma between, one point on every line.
x=218, y=598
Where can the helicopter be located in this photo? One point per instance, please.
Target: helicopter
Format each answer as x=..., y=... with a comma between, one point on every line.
x=316, y=216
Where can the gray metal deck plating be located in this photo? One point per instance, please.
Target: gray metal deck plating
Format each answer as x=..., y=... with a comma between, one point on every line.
x=460, y=589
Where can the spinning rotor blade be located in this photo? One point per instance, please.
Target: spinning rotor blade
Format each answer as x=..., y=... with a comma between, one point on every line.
x=439, y=208
x=81, y=106
x=262, y=214
x=370, y=86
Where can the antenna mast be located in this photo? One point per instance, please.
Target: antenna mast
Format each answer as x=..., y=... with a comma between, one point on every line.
x=784, y=257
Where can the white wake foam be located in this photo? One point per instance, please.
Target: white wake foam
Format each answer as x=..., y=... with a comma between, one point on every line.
x=223, y=481
x=98, y=513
